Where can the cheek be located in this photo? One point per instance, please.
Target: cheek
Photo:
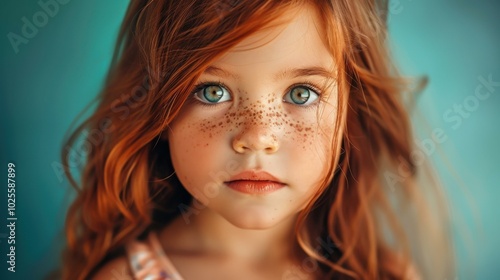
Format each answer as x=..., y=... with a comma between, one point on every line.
x=313, y=129
x=310, y=149
x=196, y=133
x=313, y=133
x=191, y=150
x=200, y=137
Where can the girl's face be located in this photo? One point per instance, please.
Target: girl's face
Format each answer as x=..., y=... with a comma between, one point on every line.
x=268, y=105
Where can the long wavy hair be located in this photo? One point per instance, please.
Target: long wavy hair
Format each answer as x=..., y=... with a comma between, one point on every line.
x=373, y=218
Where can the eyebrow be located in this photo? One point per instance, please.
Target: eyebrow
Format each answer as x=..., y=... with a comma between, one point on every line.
x=287, y=73
x=304, y=72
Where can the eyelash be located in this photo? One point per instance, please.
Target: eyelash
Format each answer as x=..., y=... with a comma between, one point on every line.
x=199, y=86
x=309, y=85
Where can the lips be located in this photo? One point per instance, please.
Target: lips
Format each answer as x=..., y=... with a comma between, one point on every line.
x=255, y=182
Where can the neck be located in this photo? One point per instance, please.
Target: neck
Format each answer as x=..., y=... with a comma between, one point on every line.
x=209, y=233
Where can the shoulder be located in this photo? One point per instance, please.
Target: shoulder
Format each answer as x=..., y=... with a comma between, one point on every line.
x=115, y=269
x=412, y=273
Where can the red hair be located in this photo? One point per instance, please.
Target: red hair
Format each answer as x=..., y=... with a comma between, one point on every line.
x=128, y=186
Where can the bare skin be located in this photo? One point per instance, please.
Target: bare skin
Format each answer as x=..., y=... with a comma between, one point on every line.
x=257, y=125
x=246, y=254
x=239, y=236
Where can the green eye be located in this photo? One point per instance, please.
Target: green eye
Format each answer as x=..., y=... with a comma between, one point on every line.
x=301, y=95
x=212, y=94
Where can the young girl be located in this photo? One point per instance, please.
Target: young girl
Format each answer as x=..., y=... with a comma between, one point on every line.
x=245, y=139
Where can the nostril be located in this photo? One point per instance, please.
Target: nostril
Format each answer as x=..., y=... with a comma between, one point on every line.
x=239, y=145
x=254, y=140
x=270, y=150
x=272, y=143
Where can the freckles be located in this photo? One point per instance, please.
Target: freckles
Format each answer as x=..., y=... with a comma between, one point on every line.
x=300, y=131
x=253, y=114
x=295, y=130
x=205, y=130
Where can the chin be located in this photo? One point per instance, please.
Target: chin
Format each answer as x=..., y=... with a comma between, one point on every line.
x=251, y=219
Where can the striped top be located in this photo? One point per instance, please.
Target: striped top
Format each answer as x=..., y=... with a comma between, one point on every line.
x=148, y=261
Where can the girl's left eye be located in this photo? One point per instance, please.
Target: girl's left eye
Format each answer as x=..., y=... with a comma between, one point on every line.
x=301, y=95
x=212, y=94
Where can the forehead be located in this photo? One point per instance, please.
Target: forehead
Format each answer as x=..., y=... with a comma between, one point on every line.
x=294, y=40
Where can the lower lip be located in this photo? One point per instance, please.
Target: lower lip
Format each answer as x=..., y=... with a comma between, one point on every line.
x=255, y=187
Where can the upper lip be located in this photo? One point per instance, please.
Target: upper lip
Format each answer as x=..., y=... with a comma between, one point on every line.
x=254, y=175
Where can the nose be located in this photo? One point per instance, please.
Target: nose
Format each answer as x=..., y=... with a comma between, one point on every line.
x=256, y=137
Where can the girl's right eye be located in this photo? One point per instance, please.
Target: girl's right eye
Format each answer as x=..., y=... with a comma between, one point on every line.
x=212, y=93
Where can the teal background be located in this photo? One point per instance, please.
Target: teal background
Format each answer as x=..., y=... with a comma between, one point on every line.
x=50, y=80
